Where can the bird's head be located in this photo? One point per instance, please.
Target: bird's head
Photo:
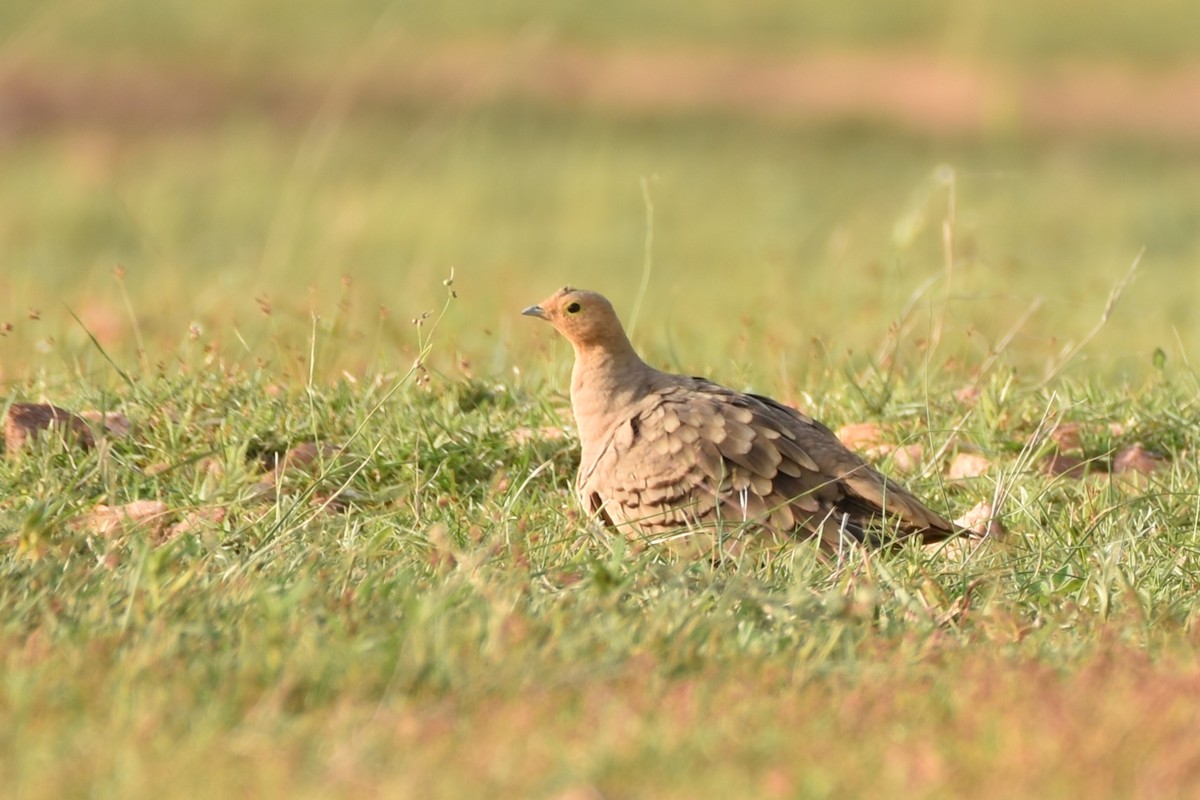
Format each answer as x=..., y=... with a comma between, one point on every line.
x=586, y=318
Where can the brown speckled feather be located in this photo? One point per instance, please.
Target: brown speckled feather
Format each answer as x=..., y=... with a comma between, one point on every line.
x=666, y=455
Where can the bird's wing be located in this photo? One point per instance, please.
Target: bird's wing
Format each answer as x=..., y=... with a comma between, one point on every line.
x=862, y=488
x=695, y=453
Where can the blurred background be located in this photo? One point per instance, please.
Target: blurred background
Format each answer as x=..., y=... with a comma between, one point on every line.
x=794, y=183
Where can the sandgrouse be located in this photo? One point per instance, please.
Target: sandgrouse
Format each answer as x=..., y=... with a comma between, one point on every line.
x=667, y=456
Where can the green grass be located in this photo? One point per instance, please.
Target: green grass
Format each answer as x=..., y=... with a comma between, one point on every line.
x=839, y=229
x=267, y=33
x=424, y=612
x=458, y=627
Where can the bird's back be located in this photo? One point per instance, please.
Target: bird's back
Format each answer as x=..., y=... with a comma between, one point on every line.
x=692, y=454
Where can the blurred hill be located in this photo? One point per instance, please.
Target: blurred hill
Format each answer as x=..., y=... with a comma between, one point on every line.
x=942, y=68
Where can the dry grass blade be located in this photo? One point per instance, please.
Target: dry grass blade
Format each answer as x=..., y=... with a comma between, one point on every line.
x=1114, y=296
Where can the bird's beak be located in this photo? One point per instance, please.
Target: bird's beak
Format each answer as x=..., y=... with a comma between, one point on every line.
x=535, y=311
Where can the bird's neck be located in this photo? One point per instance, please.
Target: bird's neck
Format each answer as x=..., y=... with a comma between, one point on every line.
x=605, y=381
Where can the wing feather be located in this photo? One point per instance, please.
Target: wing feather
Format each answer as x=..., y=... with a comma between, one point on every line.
x=706, y=455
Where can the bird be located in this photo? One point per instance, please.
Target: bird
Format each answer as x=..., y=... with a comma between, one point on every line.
x=667, y=457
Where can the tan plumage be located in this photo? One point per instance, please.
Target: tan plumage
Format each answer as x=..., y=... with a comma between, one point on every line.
x=667, y=456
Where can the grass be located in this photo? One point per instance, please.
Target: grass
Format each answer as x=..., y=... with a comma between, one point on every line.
x=422, y=611
x=458, y=627
x=521, y=201
x=262, y=34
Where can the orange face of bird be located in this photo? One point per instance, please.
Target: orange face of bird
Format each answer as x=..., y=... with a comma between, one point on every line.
x=584, y=317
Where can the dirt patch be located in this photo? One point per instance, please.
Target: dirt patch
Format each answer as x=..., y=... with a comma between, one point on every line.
x=910, y=90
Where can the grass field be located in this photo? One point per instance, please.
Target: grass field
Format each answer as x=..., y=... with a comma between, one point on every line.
x=214, y=238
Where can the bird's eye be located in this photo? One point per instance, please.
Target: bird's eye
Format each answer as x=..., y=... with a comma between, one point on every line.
x=573, y=308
